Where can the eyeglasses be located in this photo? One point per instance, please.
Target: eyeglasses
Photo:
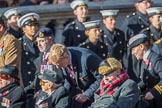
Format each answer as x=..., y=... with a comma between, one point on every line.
x=5, y=77
x=42, y=83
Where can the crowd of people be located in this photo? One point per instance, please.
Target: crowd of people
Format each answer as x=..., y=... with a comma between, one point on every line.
x=97, y=66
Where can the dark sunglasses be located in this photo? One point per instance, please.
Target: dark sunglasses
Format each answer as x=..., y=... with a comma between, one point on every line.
x=5, y=77
x=42, y=83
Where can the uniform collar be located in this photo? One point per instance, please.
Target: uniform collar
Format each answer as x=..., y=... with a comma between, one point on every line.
x=146, y=55
x=29, y=41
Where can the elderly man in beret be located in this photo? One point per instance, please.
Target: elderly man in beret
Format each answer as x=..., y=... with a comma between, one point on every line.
x=53, y=94
x=12, y=95
x=74, y=31
x=44, y=39
x=151, y=70
x=12, y=16
x=116, y=89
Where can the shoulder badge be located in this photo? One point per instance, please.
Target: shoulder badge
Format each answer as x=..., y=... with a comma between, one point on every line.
x=41, y=35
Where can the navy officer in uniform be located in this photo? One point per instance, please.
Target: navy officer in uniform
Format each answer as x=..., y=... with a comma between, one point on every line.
x=150, y=71
x=111, y=36
x=93, y=42
x=29, y=25
x=12, y=16
x=80, y=70
x=30, y=51
x=74, y=32
x=154, y=30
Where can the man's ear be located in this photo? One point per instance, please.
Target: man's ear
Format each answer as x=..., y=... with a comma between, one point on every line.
x=75, y=12
x=1, y=27
x=142, y=46
x=150, y=19
x=86, y=32
x=50, y=39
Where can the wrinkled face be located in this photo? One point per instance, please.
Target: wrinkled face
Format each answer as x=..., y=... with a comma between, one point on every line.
x=143, y=5
x=137, y=51
x=94, y=33
x=109, y=76
x=13, y=20
x=5, y=80
x=42, y=44
x=44, y=85
x=110, y=22
x=81, y=12
x=30, y=30
x=156, y=19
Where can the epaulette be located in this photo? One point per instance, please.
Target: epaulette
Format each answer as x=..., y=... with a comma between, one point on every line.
x=147, y=28
x=128, y=16
x=68, y=25
x=158, y=41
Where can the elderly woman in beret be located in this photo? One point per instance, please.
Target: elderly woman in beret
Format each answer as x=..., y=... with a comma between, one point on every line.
x=116, y=89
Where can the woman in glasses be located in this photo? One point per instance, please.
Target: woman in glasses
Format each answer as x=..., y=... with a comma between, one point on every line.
x=12, y=95
x=116, y=89
x=53, y=94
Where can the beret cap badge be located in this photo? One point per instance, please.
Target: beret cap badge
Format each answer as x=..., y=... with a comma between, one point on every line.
x=32, y=18
x=41, y=34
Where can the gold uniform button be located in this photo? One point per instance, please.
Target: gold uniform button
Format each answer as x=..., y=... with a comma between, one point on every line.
x=101, y=46
x=78, y=36
x=29, y=72
x=152, y=34
x=142, y=26
x=26, y=53
x=28, y=62
x=74, y=67
x=147, y=28
x=105, y=36
x=76, y=27
x=81, y=78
